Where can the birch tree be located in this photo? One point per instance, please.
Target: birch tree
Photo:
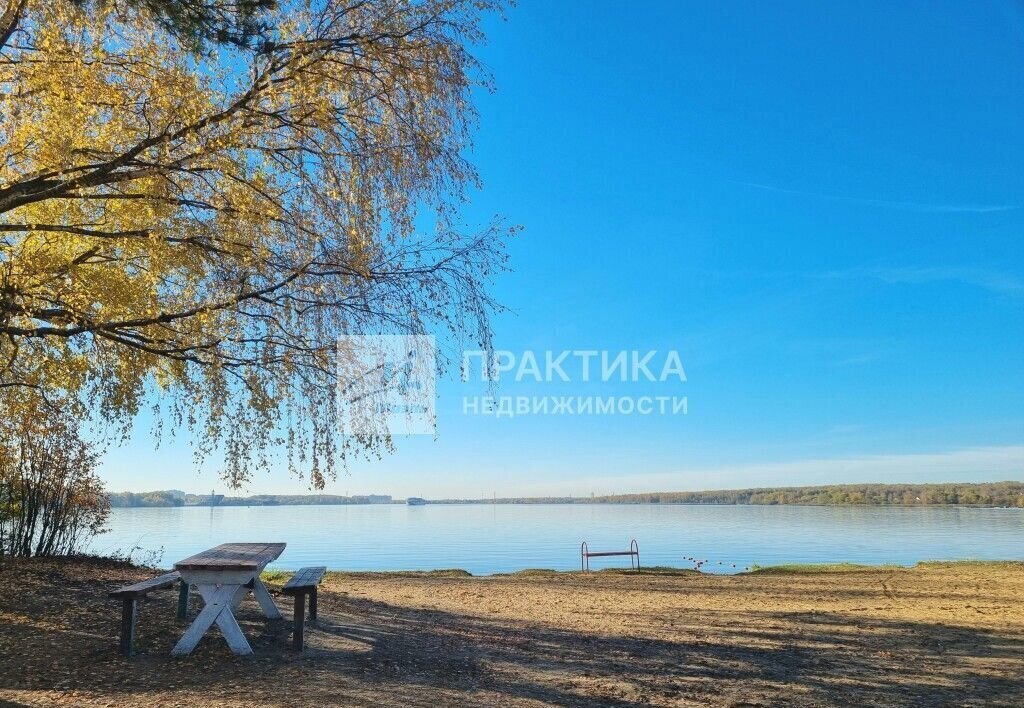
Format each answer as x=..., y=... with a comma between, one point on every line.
x=194, y=224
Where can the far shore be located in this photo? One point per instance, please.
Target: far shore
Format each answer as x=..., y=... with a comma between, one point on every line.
x=944, y=633
x=1005, y=494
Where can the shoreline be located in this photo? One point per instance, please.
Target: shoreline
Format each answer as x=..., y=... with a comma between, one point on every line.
x=282, y=574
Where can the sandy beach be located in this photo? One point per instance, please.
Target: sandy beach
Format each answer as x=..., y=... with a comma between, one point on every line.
x=937, y=634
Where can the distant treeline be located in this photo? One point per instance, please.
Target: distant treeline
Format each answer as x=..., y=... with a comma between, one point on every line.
x=176, y=498
x=951, y=494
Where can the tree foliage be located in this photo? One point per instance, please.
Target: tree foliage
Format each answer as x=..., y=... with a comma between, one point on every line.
x=170, y=498
x=144, y=499
x=51, y=501
x=199, y=23
x=198, y=229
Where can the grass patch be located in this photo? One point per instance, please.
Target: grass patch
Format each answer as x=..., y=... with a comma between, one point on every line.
x=646, y=570
x=810, y=568
x=529, y=572
x=1007, y=564
x=281, y=576
x=440, y=573
x=275, y=576
x=449, y=573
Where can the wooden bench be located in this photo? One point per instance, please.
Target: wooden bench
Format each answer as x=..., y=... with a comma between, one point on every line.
x=130, y=595
x=303, y=583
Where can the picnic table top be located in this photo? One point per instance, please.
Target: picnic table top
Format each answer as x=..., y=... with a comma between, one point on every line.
x=233, y=556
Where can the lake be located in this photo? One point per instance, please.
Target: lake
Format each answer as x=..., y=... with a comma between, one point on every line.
x=493, y=538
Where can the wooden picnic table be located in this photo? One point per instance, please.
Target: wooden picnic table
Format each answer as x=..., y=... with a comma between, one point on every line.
x=224, y=575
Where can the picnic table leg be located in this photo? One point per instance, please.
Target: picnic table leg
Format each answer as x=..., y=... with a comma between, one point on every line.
x=217, y=609
x=232, y=632
x=259, y=591
x=299, y=620
x=128, y=607
x=239, y=595
x=183, y=600
x=227, y=623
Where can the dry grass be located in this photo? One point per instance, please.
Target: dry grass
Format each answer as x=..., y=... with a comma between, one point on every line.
x=938, y=634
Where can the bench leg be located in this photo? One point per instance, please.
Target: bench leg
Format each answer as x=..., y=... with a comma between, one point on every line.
x=128, y=607
x=183, y=601
x=299, y=619
x=312, y=604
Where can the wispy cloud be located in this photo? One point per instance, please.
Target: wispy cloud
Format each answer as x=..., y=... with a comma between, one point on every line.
x=986, y=279
x=885, y=203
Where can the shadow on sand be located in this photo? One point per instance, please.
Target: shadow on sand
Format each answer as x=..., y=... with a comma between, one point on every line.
x=371, y=653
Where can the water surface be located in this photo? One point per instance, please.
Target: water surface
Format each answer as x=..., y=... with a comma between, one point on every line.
x=493, y=538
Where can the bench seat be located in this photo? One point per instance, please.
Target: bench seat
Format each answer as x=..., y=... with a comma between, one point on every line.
x=129, y=595
x=147, y=586
x=302, y=583
x=303, y=580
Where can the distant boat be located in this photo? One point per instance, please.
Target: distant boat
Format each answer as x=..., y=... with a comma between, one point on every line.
x=415, y=501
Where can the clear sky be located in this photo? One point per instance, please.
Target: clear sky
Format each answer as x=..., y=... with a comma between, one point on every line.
x=819, y=205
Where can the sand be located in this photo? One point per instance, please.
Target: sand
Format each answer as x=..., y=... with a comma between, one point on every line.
x=937, y=634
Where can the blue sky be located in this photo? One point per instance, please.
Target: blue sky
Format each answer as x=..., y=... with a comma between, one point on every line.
x=819, y=205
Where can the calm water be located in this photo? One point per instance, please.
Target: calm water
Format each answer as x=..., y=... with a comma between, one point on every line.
x=497, y=538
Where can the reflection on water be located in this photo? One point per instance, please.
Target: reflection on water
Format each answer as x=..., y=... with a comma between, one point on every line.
x=490, y=538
